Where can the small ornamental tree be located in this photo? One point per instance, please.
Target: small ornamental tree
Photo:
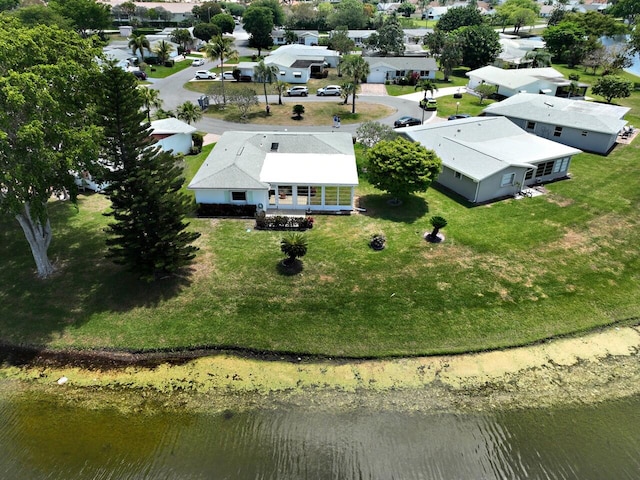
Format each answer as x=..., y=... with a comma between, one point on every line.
x=401, y=167
x=371, y=133
x=437, y=223
x=485, y=90
x=612, y=86
x=298, y=110
x=293, y=246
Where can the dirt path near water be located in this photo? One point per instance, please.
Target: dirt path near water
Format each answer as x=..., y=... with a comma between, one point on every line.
x=595, y=367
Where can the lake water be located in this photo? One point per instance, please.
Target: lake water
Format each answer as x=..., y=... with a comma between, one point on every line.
x=41, y=439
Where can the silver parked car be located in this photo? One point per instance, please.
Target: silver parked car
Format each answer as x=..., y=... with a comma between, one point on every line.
x=297, y=92
x=330, y=90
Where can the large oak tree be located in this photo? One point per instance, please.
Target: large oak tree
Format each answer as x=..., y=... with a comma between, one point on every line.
x=46, y=107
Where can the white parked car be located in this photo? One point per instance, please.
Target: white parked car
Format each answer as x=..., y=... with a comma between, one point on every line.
x=330, y=90
x=198, y=62
x=297, y=92
x=228, y=76
x=205, y=74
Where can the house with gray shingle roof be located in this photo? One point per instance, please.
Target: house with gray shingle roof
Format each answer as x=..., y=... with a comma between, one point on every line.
x=585, y=125
x=488, y=158
x=279, y=171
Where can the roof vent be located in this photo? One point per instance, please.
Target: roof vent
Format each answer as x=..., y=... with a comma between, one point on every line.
x=274, y=146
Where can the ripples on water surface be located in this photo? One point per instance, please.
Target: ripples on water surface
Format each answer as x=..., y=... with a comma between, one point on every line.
x=40, y=439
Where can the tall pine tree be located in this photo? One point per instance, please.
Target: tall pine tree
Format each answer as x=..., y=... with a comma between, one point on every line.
x=149, y=233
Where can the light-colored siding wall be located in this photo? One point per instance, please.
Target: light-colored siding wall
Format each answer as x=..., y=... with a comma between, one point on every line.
x=179, y=143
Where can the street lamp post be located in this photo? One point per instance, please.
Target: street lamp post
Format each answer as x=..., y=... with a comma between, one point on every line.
x=457, y=107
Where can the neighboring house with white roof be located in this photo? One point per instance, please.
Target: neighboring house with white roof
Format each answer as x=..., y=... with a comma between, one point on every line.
x=382, y=69
x=514, y=51
x=547, y=81
x=296, y=63
x=585, y=125
x=173, y=134
x=304, y=37
x=434, y=13
x=415, y=35
x=488, y=158
x=388, y=8
x=360, y=36
x=280, y=171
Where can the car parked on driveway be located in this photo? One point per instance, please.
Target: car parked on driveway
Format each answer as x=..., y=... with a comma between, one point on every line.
x=458, y=116
x=429, y=104
x=297, y=92
x=228, y=76
x=330, y=90
x=198, y=62
x=406, y=122
x=140, y=75
x=205, y=75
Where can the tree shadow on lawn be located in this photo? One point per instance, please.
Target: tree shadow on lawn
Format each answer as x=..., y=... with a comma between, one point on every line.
x=377, y=206
x=33, y=311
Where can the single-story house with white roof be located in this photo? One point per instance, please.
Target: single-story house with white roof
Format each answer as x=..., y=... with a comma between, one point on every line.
x=296, y=63
x=546, y=80
x=304, y=37
x=585, y=125
x=487, y=158
x=415, y=35
x=173, y=134
x=434, y=13
x=382, y=69
x=280, y=171
x=360, y=36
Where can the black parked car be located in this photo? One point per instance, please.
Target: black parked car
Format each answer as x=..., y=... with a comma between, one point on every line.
x=459, y=115
x=406, y=122
x=140, y=75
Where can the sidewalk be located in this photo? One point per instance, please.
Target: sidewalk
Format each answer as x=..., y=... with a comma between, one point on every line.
x=441, y=92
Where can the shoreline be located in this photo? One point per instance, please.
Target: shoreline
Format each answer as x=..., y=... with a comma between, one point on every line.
x=589, y=369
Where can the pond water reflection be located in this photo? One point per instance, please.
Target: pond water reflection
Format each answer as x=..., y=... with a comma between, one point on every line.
x=40, y=438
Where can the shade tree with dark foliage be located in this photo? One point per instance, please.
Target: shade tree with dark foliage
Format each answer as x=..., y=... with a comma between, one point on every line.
x=401, y=167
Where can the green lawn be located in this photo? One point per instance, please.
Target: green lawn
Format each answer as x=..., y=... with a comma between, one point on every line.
x=509, y=273
x=160, y=71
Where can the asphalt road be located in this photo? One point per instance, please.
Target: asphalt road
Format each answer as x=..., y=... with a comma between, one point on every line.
x=173, y=93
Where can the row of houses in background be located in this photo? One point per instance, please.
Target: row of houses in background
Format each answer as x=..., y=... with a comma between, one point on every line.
x=280, y=36
x=523, y=141
x=299, y=63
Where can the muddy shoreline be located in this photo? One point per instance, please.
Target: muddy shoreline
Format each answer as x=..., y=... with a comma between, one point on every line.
x=596, y=367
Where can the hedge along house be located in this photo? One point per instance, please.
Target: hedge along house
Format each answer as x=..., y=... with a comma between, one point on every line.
x=280, y=171
x=586, y=125
x=488, y=158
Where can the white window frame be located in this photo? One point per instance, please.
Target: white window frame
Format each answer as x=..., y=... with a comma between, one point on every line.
x=507, y=179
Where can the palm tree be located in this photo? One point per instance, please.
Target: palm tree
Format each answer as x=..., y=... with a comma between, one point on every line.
x=221, y=47
x=572, y=89
x=437, y=223
x=348, y=88
x=357, y=68
x=293, y=246
x=539, y=58
x=188, y=112
x=266, y=74
x=138, y=44
x=281, y=87
x=428, y=86
x=151, y=98
x=163, y=50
